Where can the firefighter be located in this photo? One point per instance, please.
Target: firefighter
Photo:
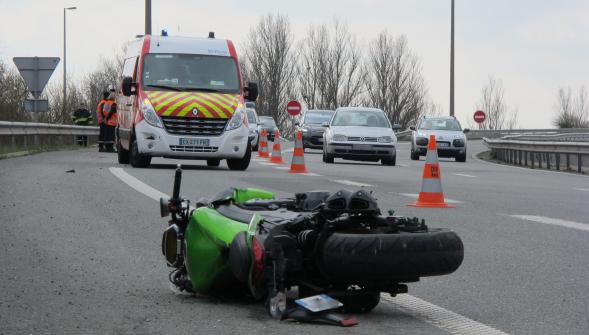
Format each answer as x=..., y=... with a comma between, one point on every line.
x=82, y=117
x=110, y=121
x=101, y=124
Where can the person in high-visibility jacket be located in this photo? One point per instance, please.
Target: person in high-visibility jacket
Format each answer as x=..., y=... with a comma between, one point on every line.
x=102, y=125
x=82, y=117
x=110, y=120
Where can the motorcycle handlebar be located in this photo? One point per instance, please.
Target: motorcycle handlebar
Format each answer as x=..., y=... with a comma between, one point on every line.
x=177, y=182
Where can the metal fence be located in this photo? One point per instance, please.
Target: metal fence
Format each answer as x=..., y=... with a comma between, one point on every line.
x=569, y=152
x=27, y=134
x=405, y=135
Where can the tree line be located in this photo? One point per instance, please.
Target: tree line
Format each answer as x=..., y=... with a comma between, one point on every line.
x=326, y=69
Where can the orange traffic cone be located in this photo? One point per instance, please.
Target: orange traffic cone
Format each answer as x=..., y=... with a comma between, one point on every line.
x=298, y=156
x=276, y=150
x=263, y=150
x=431, y=194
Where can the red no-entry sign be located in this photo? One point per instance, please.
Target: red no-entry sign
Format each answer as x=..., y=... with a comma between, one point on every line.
x=479, y=116
x=293, y=108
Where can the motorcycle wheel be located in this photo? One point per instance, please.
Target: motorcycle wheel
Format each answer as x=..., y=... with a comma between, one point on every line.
x=359, y=303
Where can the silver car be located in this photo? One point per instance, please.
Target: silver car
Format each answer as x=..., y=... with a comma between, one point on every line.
x=254, y=128
x=450, y=138
x=360, y=133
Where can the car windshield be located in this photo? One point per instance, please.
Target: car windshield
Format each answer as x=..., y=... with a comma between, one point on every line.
x=190, y=72
x=439, y=124
x=267, y=122
x=312, y=117
x=251, y=116
x=362, y=118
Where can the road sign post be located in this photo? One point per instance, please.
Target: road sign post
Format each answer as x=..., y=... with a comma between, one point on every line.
x=293, y=108
x=36, y=72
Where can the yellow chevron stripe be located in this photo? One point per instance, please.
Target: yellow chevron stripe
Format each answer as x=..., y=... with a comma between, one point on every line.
x=162, y=97
x=220, y=96
x=221, y=103
x=200, y=107
x=164, y=102
x=213, y=107
x=175, y=106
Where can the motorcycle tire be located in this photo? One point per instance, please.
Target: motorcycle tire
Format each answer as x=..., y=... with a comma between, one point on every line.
x=359, y=303
x=363, y=258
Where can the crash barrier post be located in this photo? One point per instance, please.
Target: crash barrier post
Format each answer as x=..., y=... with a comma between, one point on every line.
x=566, y=151
x=431, y=195
x=298, y=156
x=263, y=150
x=276, y=150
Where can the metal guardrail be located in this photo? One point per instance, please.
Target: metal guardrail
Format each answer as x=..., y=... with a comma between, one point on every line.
x=21, y=132
x=558, y=151
x=474, y=134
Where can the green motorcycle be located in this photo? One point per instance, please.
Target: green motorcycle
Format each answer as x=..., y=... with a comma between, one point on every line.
x=334, y=243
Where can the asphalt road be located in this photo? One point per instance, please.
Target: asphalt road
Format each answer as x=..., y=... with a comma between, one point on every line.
x=80, y=252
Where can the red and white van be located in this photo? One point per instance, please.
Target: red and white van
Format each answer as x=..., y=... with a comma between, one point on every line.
x=183, y=97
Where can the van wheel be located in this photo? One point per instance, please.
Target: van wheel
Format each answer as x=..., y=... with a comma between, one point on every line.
x=461, y=158
x=122, y=154
x=136, y=159
x=241, y=164
x=391, y=161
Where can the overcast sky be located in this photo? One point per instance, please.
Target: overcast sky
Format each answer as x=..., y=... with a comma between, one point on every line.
x=533, y=46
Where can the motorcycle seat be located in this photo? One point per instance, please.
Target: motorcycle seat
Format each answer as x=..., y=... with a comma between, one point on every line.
x=239, y=214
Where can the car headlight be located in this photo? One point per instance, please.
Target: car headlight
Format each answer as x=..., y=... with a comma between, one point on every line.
x=340, y=138
x=385, y=139
x=236, y=120
x=149, y=114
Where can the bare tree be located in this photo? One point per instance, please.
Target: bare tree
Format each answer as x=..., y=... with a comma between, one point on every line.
x=492, y=102
x=13, y=92
x=271, y=62
x=572, y=112
x=394, y=82
x=330, y=67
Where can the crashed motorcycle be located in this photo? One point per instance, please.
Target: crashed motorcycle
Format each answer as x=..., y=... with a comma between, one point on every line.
x=333, y=243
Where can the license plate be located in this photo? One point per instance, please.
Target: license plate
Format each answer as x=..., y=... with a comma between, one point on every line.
x=195, y=142
x=443, y=144
x=362, y=147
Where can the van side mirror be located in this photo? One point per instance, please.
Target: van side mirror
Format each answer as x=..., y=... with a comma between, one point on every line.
x=465, y=130
x=412, y=127
x=127, y=86
x=396, y=127
x=251, y=91
x=325, y=124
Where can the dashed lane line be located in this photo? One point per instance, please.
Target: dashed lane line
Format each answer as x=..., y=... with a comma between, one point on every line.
x=553, y=221
x=440, y=317
x=415, y=195
x=464, y=175
x=351, y=183
x=582, y=189
x=422, y=310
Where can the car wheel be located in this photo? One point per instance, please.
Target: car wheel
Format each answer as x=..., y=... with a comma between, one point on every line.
x=390, y=161
x=461, y=158
x=255, y=147
x=213, y=162
x=136, y=159
x=327, y=158
x=241, y=164
x=122, y=154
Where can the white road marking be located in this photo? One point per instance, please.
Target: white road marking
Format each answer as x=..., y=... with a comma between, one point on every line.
x=414, y=195
x=137, y=184
x=282, y=167
x=267, y=163
x=582, y=189
x=311, y=174
x=440, y=317
x=403, y=165
x=420, y=309
x=553, y=221
x=351, y=183
x=464, y=175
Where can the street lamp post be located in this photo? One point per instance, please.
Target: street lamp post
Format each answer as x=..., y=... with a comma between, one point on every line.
x=64, y=61
x=452, y=62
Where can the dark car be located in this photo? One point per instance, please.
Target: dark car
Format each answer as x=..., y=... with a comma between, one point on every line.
x=269, y=125
x=312, y=129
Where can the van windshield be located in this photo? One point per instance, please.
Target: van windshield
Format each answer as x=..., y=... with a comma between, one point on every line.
x=190, y=72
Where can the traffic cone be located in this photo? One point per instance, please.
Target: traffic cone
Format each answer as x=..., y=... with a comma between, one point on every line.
x=298, y=155
x=276, y=150
x=431, y=194
x=263, y=150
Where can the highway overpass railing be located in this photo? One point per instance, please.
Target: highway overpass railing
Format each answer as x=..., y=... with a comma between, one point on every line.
x=564, y=151
x=15, y=135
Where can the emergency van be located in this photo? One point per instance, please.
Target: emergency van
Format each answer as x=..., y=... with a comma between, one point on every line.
x=184, y=98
